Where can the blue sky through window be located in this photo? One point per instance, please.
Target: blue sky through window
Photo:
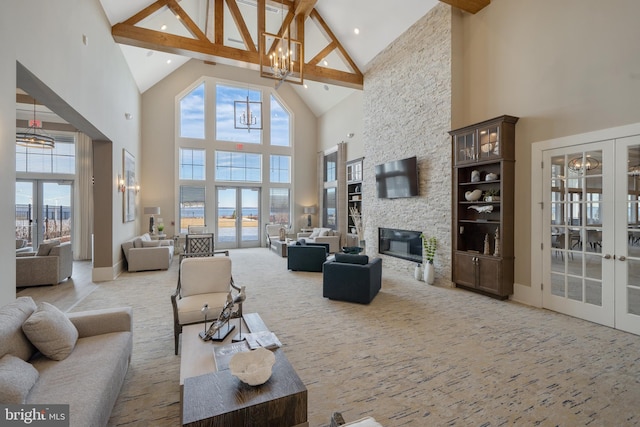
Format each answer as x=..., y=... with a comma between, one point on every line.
x=225, y=131
x=192, y=114
x=279, y=124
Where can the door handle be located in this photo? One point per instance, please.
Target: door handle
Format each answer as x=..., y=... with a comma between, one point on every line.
x=622, y=258
x=607, y=256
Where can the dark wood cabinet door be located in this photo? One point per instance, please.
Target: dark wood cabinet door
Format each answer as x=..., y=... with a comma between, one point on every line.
x=490, y=275
x=465, y=269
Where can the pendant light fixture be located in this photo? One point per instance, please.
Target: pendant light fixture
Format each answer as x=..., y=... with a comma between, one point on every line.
x=33, y=137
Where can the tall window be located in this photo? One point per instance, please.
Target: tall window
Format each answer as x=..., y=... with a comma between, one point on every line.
x=280, y=169
x=60, y=159
x=192, y=164
x=279, y=206
x=192, y=204
x=231, y=166
x=280, y=130
x=330, y=208
x=192, y=114
x=225, y=130
x=330, y=166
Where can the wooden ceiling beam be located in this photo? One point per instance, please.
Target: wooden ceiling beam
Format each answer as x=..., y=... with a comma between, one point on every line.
x=471, y=6
x=201, y=47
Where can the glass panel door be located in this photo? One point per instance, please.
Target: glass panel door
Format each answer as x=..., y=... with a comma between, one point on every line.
x=237, y=217
x=578, y=265
x=43, y=211
x=627, y=251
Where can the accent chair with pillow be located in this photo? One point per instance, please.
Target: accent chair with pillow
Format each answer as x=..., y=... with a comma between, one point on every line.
x=50, y=265
x=142, y=253
x=323, y=235
x=201, y=280
x=352, y=278
x=79, y=359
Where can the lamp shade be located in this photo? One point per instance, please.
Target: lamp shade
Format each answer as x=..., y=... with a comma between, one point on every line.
x=310, y=209
x=152, y=211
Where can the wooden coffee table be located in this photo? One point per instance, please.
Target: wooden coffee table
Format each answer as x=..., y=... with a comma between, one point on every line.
x=217, y=398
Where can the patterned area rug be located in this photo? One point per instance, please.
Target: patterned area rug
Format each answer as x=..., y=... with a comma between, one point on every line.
x=417, y=355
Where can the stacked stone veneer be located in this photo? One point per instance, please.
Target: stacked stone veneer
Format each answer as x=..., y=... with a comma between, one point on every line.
x=407, y=112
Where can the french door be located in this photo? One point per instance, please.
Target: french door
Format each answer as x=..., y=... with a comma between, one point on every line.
x=43, y=211
x=591, y=262
x=237, y=217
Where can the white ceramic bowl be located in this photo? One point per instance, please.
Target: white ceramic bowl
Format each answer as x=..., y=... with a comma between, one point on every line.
x=252, y=367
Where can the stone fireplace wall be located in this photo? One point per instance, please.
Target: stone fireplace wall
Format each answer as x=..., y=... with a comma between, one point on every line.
x=407, y=112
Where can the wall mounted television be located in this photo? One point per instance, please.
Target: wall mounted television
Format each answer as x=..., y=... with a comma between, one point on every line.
x=397, y=179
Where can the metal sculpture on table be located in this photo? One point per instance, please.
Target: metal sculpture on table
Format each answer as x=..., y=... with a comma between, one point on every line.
x=215, y=331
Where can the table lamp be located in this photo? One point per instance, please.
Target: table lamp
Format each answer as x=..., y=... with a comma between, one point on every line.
x=151, y=211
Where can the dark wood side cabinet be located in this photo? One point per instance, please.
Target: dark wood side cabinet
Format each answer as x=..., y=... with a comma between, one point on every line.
x=483, y=157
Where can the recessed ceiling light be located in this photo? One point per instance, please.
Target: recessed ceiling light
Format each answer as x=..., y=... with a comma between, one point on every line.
x=168, y=61
x=325, y=63
x=326, y=87
x=305, y=86
x=356, y=30
x=163, y=27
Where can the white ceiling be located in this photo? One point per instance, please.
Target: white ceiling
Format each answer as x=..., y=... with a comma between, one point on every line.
x=379, y=21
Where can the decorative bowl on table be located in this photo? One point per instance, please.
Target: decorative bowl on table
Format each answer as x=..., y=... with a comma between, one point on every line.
x=253, y=367
x=351, y=249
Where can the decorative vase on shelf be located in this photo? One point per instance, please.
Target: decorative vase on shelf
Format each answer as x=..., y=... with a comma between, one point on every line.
x=417, y=274
x=429, y=273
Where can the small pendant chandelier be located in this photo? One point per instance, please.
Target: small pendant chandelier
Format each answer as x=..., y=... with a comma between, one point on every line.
x=247, y=114
x=31, y=138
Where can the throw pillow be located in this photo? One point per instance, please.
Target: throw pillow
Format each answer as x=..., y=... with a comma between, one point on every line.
x=352, y=259
x=301, y=242
x=17, y=377
x=324, y=232
x=51, y=331
x=12, y=339
x=137, y=242
x=315, y=233
x=45, y=248
x=151, y=244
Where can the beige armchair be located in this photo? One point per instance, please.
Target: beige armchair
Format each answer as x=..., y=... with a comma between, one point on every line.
x=50, y=265
x=201, y=280
x=272, y=232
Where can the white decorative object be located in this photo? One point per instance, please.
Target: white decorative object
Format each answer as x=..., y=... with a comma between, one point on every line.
x=429, y=273
x=417, y=274
x=482, y=209
x=252, y=367
x=474, y=195
x=491, y=177
x=475, y=176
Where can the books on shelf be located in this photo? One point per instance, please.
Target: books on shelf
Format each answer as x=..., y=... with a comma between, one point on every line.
x=264, y=339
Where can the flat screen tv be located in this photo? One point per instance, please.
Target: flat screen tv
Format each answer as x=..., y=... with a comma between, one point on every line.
x=397, y=179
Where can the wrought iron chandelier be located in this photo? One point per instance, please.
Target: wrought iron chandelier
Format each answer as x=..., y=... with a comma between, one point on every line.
x=30, y=137
x=581, y=165
x=247, y=114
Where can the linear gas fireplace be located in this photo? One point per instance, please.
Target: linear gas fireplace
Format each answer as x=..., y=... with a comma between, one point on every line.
x=403, y=244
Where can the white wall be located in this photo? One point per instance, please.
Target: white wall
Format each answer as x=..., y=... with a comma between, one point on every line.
x=343, y=119
x=46, y=37
x=158, y=138
x=564, y=67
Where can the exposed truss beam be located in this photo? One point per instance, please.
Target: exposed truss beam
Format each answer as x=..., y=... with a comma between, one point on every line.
x=471, y=6
x=201, y=46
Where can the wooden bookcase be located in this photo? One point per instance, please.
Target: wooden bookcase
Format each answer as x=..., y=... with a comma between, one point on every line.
x=482, y=230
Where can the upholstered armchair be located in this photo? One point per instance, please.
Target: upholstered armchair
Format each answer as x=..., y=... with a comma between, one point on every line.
x=353, y=278
x=307, y=256
x=201, y=280
x=272, y=231
x=50, y=265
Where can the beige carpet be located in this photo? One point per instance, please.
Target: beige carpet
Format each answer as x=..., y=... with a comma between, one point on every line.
x=417, y=355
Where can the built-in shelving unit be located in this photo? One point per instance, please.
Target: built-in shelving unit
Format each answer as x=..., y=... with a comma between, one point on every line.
x=482, y=229
x=354, y=190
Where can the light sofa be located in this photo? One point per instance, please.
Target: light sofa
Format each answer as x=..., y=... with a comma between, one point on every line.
x=50, y=265
x=322, y=235
x=93, y=347
x=143, y=253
